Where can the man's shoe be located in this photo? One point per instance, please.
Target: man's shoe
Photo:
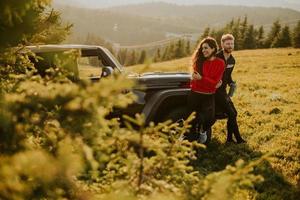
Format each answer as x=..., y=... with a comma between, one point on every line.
x=241, y=141
x=229, y=142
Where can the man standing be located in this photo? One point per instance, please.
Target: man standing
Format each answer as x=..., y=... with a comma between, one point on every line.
x=222, y=98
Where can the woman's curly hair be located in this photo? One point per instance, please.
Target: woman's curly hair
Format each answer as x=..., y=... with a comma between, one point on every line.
x=198, y=57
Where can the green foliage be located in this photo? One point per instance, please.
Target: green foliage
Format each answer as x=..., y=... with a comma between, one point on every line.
x=260, y=37
x=248, y=37
x=157, y=56
x=242, y=33
x=166, y=54
x=132, y=58
x=236, y=32
x=27, y=22
x=143, y=57
x=188, y=48
x=179, y=49
x=249, y=40
x=22, y=23
x=284, y=38
x=34, y=174
x=204, y=34
x=296, y=36
x=273, y=34
x=122, y=56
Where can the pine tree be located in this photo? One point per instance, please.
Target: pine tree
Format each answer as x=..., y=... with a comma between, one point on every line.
x=236, y=33
x=131, y=60
x=218, y=35
x=229, y=26
x=179, y=49
x=171, y=52
x=143, y=57
x=296, y=36
x=157, y=56
x=122, y=56
x=260, y=37
x=166, y=54
x=284, y=38
x=204, y=34
x=249, y=41
x=243, y=31
x=27, y=21
x=188, y=48
x=213, y=33
x=273, y=34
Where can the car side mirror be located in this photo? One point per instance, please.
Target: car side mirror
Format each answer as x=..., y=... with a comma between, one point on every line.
x=107, y=71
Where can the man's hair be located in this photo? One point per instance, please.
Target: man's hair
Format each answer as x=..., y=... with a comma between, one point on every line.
x=227, y=37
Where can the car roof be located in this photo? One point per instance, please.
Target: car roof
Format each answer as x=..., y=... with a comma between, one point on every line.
x=61, y=47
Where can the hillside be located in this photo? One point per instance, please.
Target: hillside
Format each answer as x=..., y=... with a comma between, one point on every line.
x=139, y=24
x=268, y=102
x=130, y=28
x=197, y=15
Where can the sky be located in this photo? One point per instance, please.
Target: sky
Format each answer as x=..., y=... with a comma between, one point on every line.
x=293, y=4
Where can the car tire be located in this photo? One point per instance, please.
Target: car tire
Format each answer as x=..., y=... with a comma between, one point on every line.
x=180, y=114
x=175, y=115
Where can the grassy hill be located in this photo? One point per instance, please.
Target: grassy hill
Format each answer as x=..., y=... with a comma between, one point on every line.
x=268, y=102
x=143, y=23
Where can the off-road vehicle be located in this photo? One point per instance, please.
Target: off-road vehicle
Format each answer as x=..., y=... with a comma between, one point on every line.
x=164, y=95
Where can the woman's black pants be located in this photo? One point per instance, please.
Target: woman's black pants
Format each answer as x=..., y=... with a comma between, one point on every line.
x=204, y=106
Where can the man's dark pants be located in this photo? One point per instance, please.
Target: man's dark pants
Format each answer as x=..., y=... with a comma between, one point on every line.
x=224, y=102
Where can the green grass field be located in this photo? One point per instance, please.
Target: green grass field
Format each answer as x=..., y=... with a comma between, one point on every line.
x=268, y=102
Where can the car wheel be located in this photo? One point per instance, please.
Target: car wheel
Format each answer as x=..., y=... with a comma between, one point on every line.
x=179, y=114
x=175, y=115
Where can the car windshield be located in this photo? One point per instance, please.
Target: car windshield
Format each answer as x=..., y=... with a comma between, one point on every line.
x=120, y=67
x=89, y=66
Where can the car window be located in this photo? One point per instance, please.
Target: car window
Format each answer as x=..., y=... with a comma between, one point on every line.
x=90, y=66
x=46, y=60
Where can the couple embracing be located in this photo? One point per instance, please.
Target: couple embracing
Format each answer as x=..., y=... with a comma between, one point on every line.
x=211, y=74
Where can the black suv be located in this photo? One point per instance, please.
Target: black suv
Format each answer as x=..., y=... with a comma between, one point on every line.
x=163, y=97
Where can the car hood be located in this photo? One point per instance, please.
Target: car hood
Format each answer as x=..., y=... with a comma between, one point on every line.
x=163, y=80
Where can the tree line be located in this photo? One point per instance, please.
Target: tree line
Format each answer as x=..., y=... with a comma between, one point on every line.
x=174, y=50
x=249, y=37
x=246, y=37
x=178, y=49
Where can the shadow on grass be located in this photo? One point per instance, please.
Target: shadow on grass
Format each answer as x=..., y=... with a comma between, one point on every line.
x=218, y=155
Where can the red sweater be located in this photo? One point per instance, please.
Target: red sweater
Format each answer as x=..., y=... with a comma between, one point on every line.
x=211, y=74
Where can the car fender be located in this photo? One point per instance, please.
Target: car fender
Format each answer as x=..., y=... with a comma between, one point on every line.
x=158, y=98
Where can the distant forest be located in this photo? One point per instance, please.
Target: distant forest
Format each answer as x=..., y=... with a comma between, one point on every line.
x=246, y=37
x=144, y=23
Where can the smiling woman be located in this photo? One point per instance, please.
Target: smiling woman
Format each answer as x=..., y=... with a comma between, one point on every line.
x=208, y=71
